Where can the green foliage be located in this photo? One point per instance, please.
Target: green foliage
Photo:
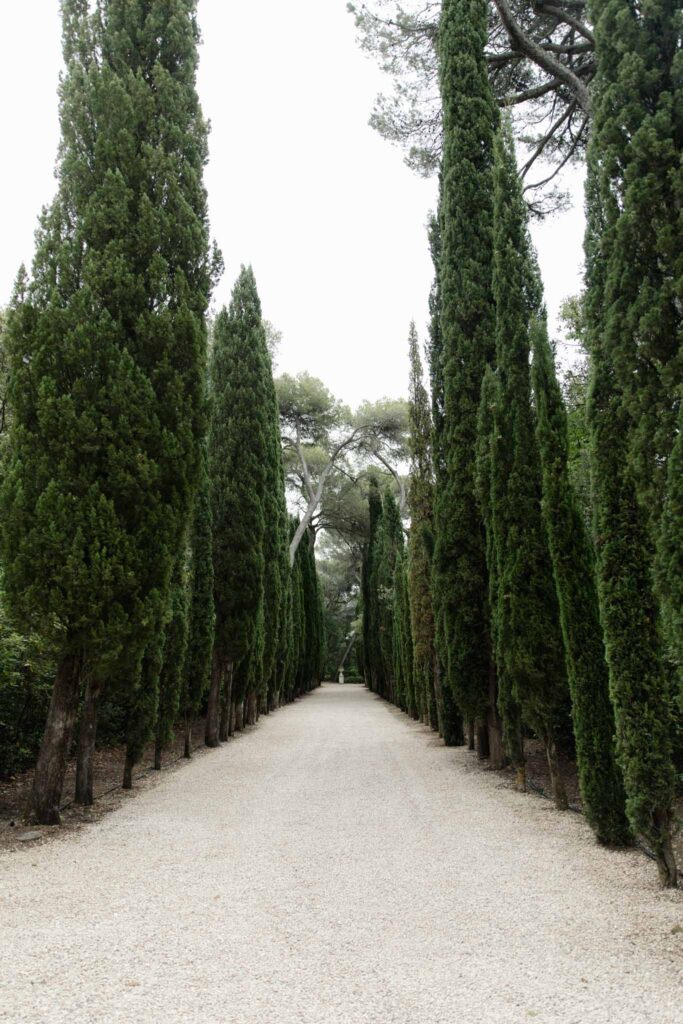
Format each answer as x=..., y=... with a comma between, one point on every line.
x=175, y=651
x=421, y=504
x=525, y=614
x=388, y=546
x=466, y=347
x=404, y=689
x=201, y=615
x=602, y=789
x=372, y=653
x=238, y=457
x=107, y=341
x=635, y=320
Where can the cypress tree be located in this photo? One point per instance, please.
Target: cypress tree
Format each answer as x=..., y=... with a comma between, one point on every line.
x=633, y=258
x=421, y=502
x=389, y=545
x=466, y=347
x=238, y=454
x=371, y=649
x=602, y=790
x=201, y=616
x=175, y=650
x=275, y=546
x=670, y=557
x=449, y=718
x=104, y=453
x=526, y=611
x=402, y=639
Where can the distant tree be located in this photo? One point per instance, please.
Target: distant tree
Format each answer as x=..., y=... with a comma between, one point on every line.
x=372, y=653
x=321, y=433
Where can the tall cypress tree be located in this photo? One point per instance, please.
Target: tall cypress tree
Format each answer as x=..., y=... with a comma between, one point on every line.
x=105, y=448
x=449, y=717
x=371, y=650
x=201, y=615
x=466, y=346
x=389, y=545
x=602, y=789
x=633, y=256
x=421, y=501
x=275, y=547
x=527, y=610
x=238, y=455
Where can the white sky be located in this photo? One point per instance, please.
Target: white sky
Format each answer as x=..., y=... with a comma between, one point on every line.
x=299, y=185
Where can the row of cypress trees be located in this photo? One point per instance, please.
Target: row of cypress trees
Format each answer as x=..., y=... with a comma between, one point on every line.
x=144, y=531
x=519, y=617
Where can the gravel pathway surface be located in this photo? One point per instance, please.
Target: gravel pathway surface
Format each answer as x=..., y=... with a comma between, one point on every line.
x=336, y=866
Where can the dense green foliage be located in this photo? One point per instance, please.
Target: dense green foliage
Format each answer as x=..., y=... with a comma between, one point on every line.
x=466, y=346
x=175, y=650
x=526, y=613
x=635, y=324
x=201, y=615
x=602, y=789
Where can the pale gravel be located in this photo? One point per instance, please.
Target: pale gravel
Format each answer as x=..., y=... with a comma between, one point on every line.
x=336, y=866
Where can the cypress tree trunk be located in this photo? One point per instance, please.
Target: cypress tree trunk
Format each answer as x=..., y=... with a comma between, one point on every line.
x=213, y=708
x=128, y=772
x=187, y=750
x=471, y=745
x=158, y=749
x=482, y=739
x=558, y=790
x=493, y=722
x=226, y=704
x=252, y=709
x=232, y=719
x=87, y=735
x=239, y=716
x=48, y=781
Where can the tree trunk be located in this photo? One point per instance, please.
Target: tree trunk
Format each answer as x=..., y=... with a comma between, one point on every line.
x=213, y=709
x=128, y=772
x=158, y=752
x=470, y=735
x=666, y=861
x=495, y=726
x=48, y=780
x=239, y=716
x=187, y=752
x=226, y=701
x=482, y=740
x=252, y=709
x=86, y=745
x=559, y=792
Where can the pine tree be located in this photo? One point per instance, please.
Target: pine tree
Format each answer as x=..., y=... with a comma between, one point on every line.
x=601, y=784
x=526, y=611
x=633, y=258
x=238, y=456
x=175, y=650
x=466, y=347
x=201, y=615
x=105, y=449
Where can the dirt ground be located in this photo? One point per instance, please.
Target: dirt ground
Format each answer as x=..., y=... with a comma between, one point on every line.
x=108, y=794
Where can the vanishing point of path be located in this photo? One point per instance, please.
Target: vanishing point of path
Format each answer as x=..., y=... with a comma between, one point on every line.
x=336, y=866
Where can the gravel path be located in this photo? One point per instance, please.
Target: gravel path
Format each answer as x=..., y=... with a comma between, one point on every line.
x=336, y=866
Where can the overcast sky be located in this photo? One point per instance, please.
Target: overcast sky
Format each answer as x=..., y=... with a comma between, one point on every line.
x=299, y=185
